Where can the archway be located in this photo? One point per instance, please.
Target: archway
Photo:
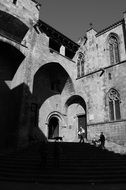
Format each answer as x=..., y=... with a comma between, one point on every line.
x=53, y=127
x=14, y=28
x=51, y=82
x=54, y=79
x=76, y=113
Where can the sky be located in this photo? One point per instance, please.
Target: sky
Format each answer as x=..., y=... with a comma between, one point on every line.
x=73, y=17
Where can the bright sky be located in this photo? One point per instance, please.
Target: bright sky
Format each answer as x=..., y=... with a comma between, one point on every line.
x=72, y=17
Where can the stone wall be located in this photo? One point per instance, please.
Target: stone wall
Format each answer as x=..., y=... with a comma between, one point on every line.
x=94, y=87
x=113, y=131
x=24, y=10
x=49, y=83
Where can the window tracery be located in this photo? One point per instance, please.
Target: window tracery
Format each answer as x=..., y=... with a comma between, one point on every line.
x=114, y=49
x=114, y=105
x=80, y=65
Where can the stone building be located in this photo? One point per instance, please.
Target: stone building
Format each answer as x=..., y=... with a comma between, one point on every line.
x=50, y=85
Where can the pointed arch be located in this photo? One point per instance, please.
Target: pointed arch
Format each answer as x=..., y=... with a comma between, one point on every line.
x=54, y=79
x=80, y=65
x=75, y=99
x=113, y=98
x=113, y=42
x=76, y=108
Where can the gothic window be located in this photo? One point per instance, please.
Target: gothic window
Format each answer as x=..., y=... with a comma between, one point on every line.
x=80, y=65
x=114, y=105
x=78, y=69
x=114, y=49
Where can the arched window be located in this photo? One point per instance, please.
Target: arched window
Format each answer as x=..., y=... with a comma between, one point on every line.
x=114, y=105
x=80, y=65
x=114, y=49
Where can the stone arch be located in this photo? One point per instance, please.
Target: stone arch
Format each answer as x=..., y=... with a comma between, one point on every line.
x=75, y=109
x=55, y=80
x=53, y=122
x=75, y=99
x=13, y=27
x=111, y=35
x=113, y=101
x=54, y=113
x=113, y=44
x=51, y=83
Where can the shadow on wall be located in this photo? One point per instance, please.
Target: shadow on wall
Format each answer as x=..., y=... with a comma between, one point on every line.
x=10, y=102
x=54, y=79
x=13, y=125
x=18, y=107
x=10, y=59
x=28, y=123
x=18, y=121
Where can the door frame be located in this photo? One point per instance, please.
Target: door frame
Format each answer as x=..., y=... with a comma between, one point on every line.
x=85, y=123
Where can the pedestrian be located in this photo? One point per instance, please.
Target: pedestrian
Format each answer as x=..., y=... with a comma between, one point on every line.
x=81, y=134
x=102, y=140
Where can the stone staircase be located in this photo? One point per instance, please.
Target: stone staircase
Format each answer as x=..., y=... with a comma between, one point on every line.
x=78, y=164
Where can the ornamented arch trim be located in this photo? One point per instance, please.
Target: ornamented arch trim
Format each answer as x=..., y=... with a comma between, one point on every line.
x=54, y=114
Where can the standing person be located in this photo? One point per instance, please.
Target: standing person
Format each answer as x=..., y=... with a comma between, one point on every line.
x=81, y=134
x=102, y=140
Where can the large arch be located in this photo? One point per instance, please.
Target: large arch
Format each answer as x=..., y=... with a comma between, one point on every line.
x=75, y=99
x=51, y=79
x=75, y=109
x=51, y=83
x=10, y=100
x=12, y=27
x=10, y=59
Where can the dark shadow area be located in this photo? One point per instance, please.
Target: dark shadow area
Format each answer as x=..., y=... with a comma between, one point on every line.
x=19, y=120
x=14, y=28
x=10, y=107
x=69, y=53
x=28, y=125
x=14, y=109
x=50, y=80
x=53, y=128
x=53, y=44
x=12, y=123
x=10, y=59
x=75, y=164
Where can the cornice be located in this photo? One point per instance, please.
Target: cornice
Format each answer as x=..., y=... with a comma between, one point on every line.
x=109, y=28
x=60, y=38
x=36, y=2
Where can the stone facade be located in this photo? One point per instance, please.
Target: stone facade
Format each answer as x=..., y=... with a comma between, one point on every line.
x=58, y=85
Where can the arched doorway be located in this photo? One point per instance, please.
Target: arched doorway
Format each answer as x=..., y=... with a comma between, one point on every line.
x=53, y=128
x=75, y=109
x=50, y=84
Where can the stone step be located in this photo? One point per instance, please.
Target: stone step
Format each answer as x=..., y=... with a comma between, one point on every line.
x=78, y=164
